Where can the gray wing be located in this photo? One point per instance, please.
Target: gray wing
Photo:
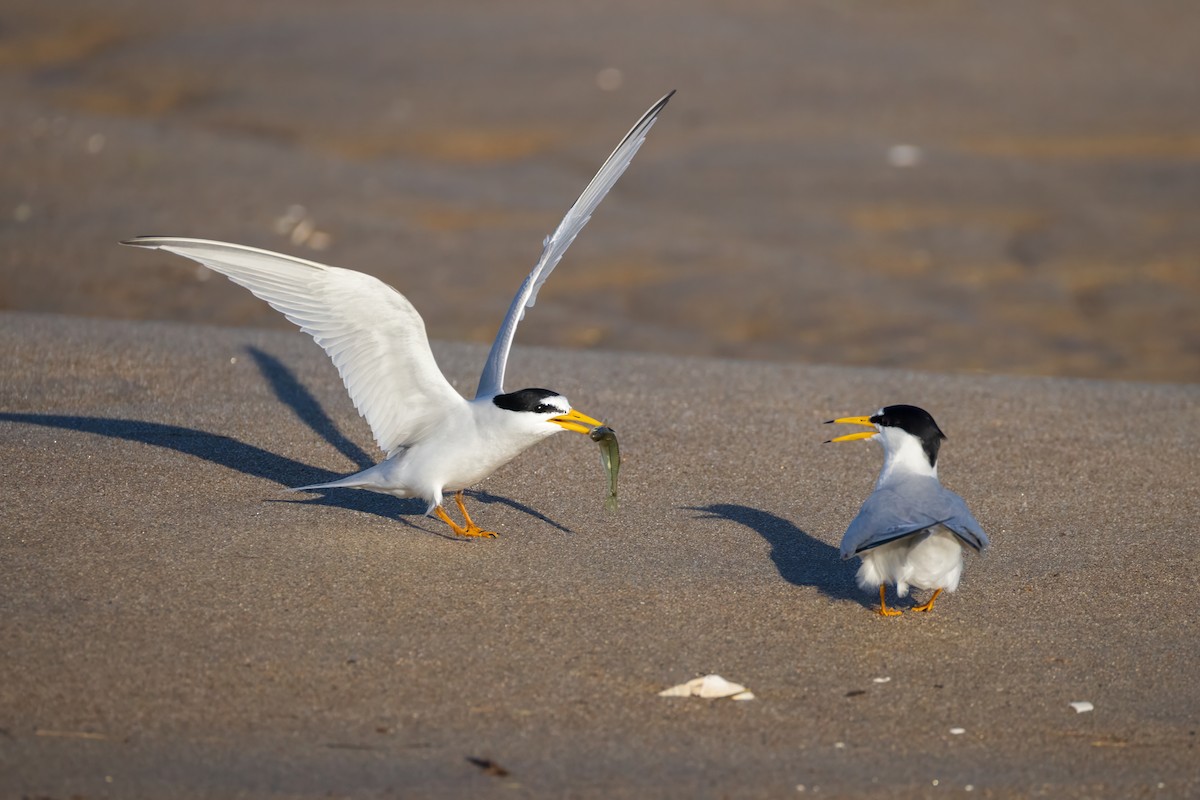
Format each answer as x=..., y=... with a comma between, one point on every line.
x=964, y=524
x=893, y=513
x=491, y=382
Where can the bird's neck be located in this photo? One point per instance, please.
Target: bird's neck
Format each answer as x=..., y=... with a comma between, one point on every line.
x=905, y=456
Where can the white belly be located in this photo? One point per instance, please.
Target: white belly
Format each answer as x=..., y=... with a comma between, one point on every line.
x=926, y=562
x=425, y=473
x=432, y=468
x=471, y=443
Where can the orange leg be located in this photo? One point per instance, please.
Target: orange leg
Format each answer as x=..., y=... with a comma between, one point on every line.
x=471, y=530
x=883, y=609
x=462, y=509
x=928, y=606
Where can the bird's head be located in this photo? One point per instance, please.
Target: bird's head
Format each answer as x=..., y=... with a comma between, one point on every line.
x=908, y=434
x=544, y=412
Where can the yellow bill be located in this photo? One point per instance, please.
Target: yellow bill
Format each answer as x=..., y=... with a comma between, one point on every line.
x=576, y=421
x=849, y=437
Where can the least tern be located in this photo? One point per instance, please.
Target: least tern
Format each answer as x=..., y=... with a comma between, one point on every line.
x=911, y=530
x=435, y=440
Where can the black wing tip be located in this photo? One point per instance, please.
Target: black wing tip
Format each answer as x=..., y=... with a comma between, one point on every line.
x=654, y=110
x=140, y=241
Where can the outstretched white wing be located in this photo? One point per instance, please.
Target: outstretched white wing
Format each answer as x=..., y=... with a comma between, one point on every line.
x=373, y=334
x=491, y=382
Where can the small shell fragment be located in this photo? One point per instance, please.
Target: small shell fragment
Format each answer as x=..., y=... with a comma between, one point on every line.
x=609, y=79
x=904, y=155
x=710, y=687
x=957, y=731
x=299, y=226
x=884, y=679
x=1082, y=706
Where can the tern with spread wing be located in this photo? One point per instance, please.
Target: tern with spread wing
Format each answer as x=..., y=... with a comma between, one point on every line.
x=911, y=530
x=435, y=440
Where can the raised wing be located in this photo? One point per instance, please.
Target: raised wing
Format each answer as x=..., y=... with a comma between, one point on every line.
x=373, y=334
x=893, y=513
x=491, y=382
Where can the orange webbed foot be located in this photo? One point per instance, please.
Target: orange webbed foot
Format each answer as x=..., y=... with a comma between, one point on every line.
x=884, y=611
x=471, y=530
x=928, y=606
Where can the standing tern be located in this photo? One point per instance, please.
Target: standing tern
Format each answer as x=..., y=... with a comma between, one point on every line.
x=911, y=530
x=435, y=440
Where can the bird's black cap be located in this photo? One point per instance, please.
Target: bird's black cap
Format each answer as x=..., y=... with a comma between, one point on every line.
x=915, y=421
x=526, y=400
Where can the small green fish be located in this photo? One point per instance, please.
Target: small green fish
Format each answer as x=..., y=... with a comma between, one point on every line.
x=610, y=457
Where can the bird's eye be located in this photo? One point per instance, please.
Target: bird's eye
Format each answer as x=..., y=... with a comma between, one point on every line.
x=542, y=408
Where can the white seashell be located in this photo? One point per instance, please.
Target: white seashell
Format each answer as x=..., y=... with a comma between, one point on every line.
x=682, y=690
x=710, y=687
x=714, y=686
x=743, y=696
x=1081, y=706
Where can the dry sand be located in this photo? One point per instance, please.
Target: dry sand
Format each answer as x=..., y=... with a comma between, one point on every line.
x=173, y=624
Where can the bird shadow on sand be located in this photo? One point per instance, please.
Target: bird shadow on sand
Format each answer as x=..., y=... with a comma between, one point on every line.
x=412, y=506
x=259, y=463
x=488, y=499
x=292, y=393
x=801, y=559
x=227, y=452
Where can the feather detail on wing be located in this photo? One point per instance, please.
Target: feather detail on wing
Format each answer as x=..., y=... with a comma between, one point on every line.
x=373, y=334
x=965, y=526
x=889, y=514
x=491, y=382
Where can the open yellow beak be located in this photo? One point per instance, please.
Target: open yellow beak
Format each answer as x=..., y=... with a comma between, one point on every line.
x=577, y=422
x=849, y=437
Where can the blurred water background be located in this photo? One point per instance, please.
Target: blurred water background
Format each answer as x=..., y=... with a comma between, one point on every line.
x=937, y=184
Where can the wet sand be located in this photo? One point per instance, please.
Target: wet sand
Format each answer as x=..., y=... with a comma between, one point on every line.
x=173, y=624
x=1008, y=188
